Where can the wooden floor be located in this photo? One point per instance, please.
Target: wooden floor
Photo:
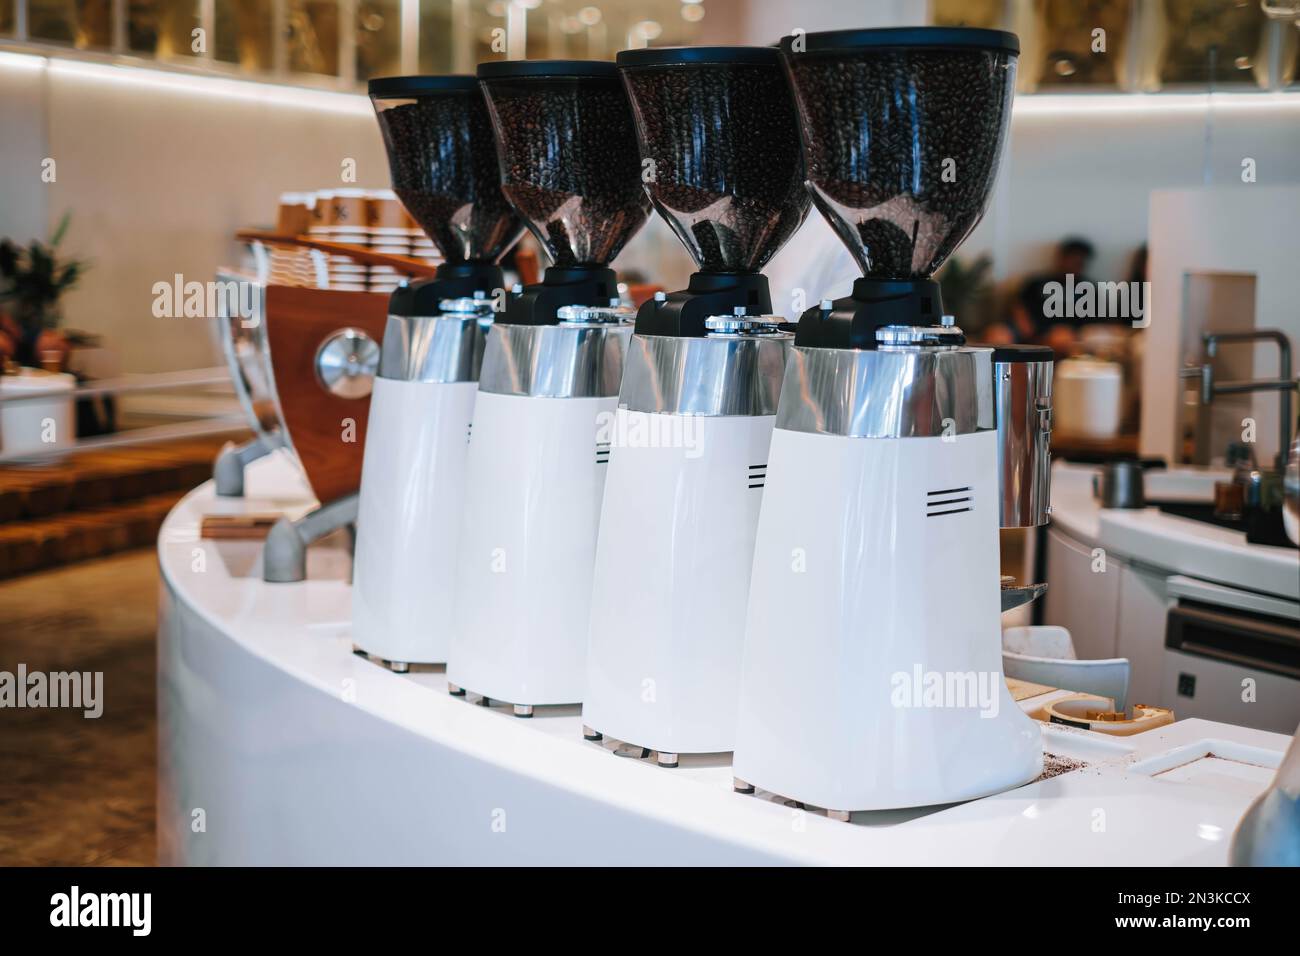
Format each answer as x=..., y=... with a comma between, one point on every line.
x=94, y=503
x=76, y=791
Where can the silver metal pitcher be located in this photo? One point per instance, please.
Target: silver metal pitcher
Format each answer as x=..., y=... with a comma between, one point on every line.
x=1022, y=398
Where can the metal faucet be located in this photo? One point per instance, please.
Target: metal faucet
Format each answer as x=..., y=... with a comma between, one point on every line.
x=1284, y=384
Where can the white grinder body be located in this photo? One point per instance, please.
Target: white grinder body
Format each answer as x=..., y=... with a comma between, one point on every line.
x=534, y=482
x=686, y=477
x=872, y=675
x=412, y=486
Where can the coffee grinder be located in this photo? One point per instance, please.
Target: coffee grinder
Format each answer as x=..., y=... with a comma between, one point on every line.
x=872, y=673
x=442, y=159
x=719, y=138
x=549, y=388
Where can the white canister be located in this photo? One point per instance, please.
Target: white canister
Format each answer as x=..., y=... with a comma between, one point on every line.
x=1087, y=398
x=38, y=425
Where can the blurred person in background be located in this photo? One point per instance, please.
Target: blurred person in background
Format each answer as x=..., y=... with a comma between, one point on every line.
x=1137, y=265
x=1029, y=322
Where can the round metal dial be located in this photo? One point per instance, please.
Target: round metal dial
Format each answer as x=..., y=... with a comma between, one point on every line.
x=346, y=363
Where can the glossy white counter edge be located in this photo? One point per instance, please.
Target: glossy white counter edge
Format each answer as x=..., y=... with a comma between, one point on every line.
x=279, y=746
x=1179, y=545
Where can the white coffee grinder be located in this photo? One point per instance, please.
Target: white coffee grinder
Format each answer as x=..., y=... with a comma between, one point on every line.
x=442, y=159
x=717, y=127
x=872, y=673
x=549, y=386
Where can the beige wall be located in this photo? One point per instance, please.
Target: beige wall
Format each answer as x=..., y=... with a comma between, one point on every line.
x=159, y=172
x=22, y=146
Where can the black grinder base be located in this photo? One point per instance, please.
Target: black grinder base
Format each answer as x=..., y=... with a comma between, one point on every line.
x=707, y=294
x=454, y=280
x=851, y=322
x=539, y=304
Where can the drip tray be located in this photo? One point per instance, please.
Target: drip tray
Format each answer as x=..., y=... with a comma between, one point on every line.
x=1216, y=765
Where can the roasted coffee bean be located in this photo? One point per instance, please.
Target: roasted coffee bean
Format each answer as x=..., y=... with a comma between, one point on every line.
x=726, y=169
x=569, y=163
x=443, y=162
x=902, y=147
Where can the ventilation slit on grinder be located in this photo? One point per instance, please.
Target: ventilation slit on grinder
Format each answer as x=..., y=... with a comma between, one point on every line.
x=948, y=501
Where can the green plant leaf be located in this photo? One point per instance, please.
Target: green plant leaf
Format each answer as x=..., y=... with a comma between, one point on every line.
x=60, y=229
x=34, y=277
x=69, y=276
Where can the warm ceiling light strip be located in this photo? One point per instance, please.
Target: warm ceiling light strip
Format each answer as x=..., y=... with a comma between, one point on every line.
x=179, y=83
x=1045, y=105
x=1050, y=105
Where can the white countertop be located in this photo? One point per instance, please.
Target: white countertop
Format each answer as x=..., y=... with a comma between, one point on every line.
x=1120, y=810
x=1180, y=545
